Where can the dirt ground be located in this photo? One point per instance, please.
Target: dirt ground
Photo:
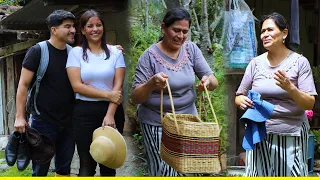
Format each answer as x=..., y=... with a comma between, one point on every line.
x=134, y=165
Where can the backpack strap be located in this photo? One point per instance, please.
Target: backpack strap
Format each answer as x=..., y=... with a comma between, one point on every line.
x=44, y=61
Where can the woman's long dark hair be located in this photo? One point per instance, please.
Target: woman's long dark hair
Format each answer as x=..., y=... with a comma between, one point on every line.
x=176, y=14
x=84, y=42
x=282, y=24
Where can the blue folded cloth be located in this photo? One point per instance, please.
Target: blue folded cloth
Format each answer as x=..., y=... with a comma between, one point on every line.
x=255, y=119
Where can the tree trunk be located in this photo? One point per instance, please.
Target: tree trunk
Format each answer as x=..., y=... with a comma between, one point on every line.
x=172, y=4
x=196, y=20
x=217, y=17
x=188, y=4
x=146, y=19
x=205, y=34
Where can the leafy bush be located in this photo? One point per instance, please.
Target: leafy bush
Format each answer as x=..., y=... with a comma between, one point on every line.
x=139, y=42
x=13, y=2
x=316, y=73
x=316, y=134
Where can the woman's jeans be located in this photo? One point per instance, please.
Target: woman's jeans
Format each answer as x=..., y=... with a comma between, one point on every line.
x=88, y=116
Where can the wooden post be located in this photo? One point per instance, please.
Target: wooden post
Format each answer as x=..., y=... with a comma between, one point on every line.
x=318, y=35
x=2, y=100
x=232, y=117
x=11, y=94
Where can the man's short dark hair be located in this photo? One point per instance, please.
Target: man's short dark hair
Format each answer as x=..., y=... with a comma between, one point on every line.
x=57, y=17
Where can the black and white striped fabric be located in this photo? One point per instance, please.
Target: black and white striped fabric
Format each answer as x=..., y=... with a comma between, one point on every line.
x=279, y=156
x=152, y=142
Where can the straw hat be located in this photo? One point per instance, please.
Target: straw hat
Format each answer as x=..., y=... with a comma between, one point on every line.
x=108, y=147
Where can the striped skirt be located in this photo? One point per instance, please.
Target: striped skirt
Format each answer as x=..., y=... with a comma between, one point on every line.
x=152, y=142
x=279, y=156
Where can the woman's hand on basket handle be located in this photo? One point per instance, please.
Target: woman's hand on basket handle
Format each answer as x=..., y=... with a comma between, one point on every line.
x=143, y=91
x=159, y=80
x=210, y=82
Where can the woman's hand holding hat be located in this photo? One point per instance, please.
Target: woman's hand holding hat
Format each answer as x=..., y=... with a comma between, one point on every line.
x=108, y=121
x=243, y=102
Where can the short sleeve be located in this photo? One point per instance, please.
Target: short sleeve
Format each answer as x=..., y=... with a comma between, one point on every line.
x=120, y=60
x=246, y=82
x=74, y=57
x=144, y=70
x=32, y=59
x=305, y=78
x=201, y=66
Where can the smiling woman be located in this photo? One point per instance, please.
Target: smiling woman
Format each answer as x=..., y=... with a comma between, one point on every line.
x=96, y=72
x=283, y=152
x=178, y=61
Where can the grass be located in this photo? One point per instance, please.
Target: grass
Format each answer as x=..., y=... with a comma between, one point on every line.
x=1, y=154
x=141, y=172
x=14, y=172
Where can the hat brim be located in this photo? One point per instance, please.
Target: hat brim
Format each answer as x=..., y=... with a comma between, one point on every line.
x=44, y=152
x=260, y=113
x=118, y=141
x=253, y=115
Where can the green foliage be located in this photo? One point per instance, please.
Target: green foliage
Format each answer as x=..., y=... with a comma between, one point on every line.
x=13, y=2
x=139, y=42
x=1, y=154
x=214, y=8
x=14, y=172
x=219, y=101
x=138, y=137
x=316, y=134
x=141, y=172
x=316, y=73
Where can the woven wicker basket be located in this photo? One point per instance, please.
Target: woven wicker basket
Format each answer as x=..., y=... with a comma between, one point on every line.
x=189, y=145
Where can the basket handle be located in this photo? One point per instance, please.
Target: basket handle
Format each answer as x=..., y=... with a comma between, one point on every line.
x=172, y=106
x=211, y=107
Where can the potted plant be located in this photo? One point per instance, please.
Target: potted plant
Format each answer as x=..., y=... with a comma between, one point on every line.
x=316, y=134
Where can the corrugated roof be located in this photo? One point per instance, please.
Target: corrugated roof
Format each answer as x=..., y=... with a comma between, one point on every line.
x=5, y=11
x=33, y=15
